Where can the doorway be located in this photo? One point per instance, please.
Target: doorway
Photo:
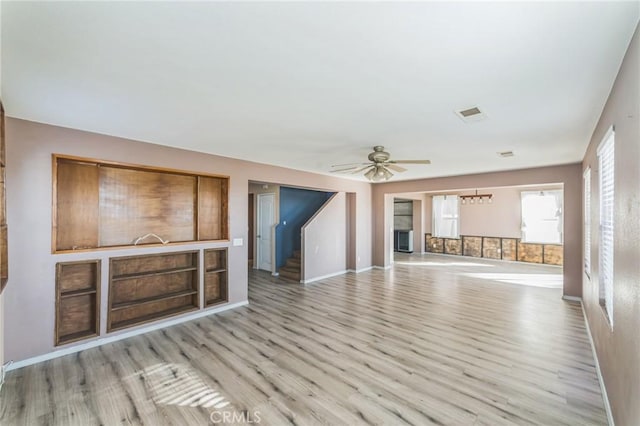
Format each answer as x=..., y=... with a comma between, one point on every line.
x=265, y=222
x=251, y=230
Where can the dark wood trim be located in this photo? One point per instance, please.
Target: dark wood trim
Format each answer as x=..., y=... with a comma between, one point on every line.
x=133, y=166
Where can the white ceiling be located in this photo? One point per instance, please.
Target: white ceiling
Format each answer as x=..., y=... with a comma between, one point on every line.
x=307, y=85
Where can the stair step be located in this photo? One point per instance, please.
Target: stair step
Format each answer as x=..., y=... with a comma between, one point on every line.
x=293, y=262
x=297, y=254
x=291, y=273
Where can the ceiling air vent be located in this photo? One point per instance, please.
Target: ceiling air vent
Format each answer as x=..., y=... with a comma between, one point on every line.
x=505, y=154
x=470, y=114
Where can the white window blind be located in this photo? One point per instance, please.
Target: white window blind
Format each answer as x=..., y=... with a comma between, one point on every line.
x=587, y=221
x=606, y=165
x=541, y=217
x=445, y=216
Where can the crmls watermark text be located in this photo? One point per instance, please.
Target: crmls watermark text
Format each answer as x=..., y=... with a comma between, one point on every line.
x=235, y=417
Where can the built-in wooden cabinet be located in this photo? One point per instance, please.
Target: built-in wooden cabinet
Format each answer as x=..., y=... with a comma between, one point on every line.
x=77, y=301
x=101, y=204
x=150, y=287
x=215, y=276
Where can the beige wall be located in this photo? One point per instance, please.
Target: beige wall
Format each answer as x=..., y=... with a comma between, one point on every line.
x=324, y=240
x=568, y=175
x=500, y=218
x=619, y=350
x=29, y=299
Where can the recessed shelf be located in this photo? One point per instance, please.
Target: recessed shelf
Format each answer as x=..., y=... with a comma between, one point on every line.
x=211, y=271
x=215, y=277
x=100, y=204
x=77, y=301
x=152, y=317
x=154, y=286
x=75, y=293
x=154, y=273
x=124, y=305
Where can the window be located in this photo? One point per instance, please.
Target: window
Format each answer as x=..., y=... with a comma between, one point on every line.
x=606, y=178
x=542, y=217
x=445, y=216
x=587, y=221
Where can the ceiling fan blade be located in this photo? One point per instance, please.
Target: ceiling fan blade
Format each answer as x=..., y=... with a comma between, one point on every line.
x=361, y=169
x=349, y=164
x=410, y=162
x=343, y=170
x=396, y=168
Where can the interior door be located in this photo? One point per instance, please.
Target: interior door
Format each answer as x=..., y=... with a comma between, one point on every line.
x=266, y=220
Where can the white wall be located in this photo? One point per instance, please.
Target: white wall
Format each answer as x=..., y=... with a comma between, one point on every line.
x=324, y=240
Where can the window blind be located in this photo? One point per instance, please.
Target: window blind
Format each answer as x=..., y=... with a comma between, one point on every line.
x=607, y=169
x=587, y=221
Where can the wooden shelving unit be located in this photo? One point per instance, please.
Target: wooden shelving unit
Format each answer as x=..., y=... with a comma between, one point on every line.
x=77, y=301
x=101, y=204
x=150, y=287
x=215, y=276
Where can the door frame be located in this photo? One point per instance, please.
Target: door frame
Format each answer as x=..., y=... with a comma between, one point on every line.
x=259, y=231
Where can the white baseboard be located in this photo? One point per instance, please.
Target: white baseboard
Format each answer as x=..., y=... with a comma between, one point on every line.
x=384, y=268
x=109, y=339
x=603, y=389
x=335, y=274
x=572, y=298
x=357, y=271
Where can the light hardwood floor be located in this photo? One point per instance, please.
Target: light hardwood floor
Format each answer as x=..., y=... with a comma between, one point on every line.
x=428, y=342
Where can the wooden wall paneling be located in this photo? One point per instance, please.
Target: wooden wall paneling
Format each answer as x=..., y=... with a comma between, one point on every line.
x=553, y=254
x=436, y=245
x=491, y=248
x=76, y=205
x=212, y=208
x=472, y=246
x=215, y=276
x=453, y=246
x=528, y=252
x=509, y=249
x=134, y=203
x=150, y=287
x=77, y=301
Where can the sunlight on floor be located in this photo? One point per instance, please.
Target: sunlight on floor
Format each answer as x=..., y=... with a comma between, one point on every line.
x=534, y=280
x=484, y=265
x=178, y=384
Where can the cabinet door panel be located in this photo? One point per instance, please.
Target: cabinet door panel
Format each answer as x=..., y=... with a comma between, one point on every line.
x=76, y=206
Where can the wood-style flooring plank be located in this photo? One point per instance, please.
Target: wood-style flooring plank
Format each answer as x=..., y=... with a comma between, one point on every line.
x=436, y=340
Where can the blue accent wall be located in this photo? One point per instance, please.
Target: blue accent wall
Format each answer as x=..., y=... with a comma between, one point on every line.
x=296, y=208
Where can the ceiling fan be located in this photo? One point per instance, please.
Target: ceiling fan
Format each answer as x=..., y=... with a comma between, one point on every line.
x=378, y=168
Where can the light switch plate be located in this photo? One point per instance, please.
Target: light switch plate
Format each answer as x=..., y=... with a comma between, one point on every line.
x=238, y=242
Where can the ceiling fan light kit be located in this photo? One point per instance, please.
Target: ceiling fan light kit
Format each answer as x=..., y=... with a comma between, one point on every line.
x=380, y=166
